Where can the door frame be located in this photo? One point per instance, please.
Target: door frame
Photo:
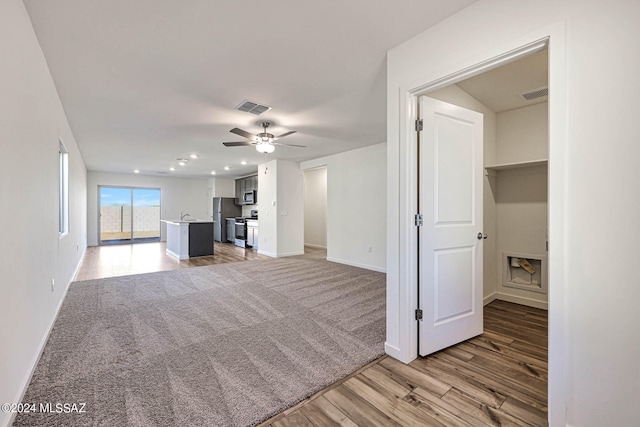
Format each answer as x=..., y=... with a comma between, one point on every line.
x=404, y=272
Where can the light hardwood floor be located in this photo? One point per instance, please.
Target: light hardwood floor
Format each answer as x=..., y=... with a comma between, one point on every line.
x=122, y=260
x=499, y=378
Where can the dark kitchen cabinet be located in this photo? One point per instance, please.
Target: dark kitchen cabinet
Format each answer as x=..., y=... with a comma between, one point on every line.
x=200, y=239
x=239, y=191
x=243, y=185
x=249, y=184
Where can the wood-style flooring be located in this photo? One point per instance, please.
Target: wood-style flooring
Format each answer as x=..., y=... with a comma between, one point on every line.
x=121, y=260
x=498, y=378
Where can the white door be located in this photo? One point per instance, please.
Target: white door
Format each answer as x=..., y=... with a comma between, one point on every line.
x=451, y=179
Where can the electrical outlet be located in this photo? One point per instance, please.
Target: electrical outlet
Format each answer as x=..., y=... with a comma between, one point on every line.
x=53, y=283
x=369, y=249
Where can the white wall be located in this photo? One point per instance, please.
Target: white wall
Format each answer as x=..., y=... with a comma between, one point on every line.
x=224, y=187
x=356, y=206
x=455, y=95
x=281, y=224
x=218, y=187
x=268, y=218
x=521, y=194
x=315, y=208
x=594, y=231
x=31, y=252
x=176, y=195
x=522, y=134
x=290, y=209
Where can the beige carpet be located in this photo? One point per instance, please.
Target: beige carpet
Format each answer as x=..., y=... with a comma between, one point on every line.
x=223, y=345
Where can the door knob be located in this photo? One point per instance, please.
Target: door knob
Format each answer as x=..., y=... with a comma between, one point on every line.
x=482, y=236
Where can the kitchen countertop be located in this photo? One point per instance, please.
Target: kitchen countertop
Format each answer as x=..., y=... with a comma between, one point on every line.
x=187, y=221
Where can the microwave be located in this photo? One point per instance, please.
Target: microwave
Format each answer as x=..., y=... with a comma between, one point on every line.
x=249, y=197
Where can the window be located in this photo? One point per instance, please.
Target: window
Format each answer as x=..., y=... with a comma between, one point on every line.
x=63, y=190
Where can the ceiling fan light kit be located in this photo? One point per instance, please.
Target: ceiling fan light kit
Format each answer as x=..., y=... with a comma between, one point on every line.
x=263, y=141
x=265, y=147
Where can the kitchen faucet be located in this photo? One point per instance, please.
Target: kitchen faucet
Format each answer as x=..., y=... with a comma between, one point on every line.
x=183, y=215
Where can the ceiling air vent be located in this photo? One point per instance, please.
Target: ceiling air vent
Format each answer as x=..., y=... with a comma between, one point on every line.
x=536, y=93
x=252, y=107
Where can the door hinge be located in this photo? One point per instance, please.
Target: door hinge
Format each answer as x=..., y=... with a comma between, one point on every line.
x=418, y=314
x=418, y=220
x=419, y=125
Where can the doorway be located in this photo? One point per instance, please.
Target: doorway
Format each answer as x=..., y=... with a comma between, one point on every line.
x=315, y=209
x=128, y=214
x=513, y=99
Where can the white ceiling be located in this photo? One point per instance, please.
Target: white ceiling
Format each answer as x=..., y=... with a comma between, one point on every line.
x=144, y=82
x=500, y=88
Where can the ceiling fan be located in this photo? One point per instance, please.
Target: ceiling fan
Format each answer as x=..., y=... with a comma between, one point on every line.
x=264, y=141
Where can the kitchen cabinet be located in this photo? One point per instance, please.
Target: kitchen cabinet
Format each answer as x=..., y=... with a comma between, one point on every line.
x=231, y=230
x=186, y=239
x=249, y=183
x=200, y=239
x=252, y=233
x=239, y=191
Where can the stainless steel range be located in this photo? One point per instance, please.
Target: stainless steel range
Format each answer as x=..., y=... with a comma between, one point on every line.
x=241, y=232
x=241, y=228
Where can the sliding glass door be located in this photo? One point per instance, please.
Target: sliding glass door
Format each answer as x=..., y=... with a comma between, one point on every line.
x=146, y=213
x=129, y=214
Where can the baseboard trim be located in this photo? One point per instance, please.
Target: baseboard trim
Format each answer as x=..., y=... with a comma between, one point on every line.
x=175, y=255
x=34, y=363
x=357, y=264
x=392, y=351
x=309, y=245
x=489, y=298
x=397, y=354
x=517, y=300
x=282, y=255
x=267, y=253
x=75, y=273
x=290, y=254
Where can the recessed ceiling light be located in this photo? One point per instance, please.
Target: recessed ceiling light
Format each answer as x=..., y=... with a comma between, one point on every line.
x=194, y=156
x=181, y=163
x=244, y=162
x=172, y=168
x=136, y=171
x=227, y=168
x=213, y=172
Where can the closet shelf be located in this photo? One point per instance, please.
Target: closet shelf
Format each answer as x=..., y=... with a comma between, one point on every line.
x=492, y=170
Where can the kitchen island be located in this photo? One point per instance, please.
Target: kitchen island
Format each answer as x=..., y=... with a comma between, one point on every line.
x=187, y=239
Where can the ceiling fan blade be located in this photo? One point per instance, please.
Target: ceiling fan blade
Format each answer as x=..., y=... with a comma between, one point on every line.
x=243, y=133
x=285, y=134
x=289, y=145
x=237, y=144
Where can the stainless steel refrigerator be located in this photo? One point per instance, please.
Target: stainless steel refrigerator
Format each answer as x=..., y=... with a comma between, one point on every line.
x=223, y=208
